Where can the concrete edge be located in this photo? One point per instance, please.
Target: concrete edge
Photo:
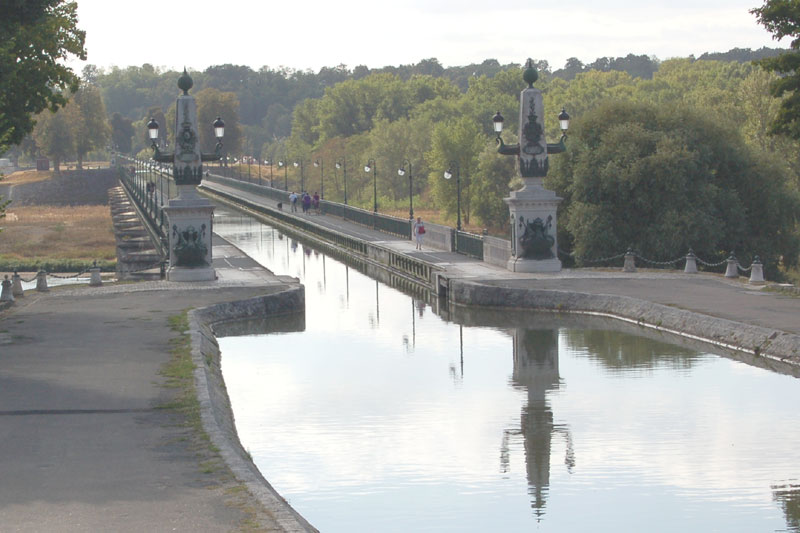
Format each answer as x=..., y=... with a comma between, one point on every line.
x=764, y=343
x=215, y=408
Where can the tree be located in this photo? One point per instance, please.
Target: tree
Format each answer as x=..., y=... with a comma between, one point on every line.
x=459, y=142
x=666, y=178
x=92, y=127
x=782, y=19
x=38, y=35
x=211, y=104
x=55, y=133
x=122, y=133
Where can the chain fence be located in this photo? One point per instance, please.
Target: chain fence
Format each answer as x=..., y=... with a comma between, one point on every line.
x=672, y=263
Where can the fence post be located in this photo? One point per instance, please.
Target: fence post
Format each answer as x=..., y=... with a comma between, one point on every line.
x=5, y=293
x=691, y=263
x=95, y=280
x=630, y=263
x=757, y=272
x=41, y=281
x=733, y=269
x=16, y=285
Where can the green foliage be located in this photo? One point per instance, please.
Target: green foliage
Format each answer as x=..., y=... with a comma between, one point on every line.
x=122, y=133
x=782, y=19
x=92, y=130
x=37, y=36
x=454, y=145
x=490, y=185
x=663, y=179
x=212, y=103
x=55, y=133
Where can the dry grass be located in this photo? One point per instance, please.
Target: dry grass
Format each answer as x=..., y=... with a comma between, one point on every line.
x=26, y=176
x=57, y=233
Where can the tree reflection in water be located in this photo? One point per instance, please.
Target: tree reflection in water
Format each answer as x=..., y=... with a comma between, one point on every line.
x=628, y=352
x=788, y=496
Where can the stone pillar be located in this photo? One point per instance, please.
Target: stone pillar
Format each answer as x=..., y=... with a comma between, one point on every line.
x=16, y=286
x=534, y=244
x=691, y=263
x=189, y=216
x=630, y=262
x=5, y=294
x=757, y=272
x=41, y=281
x=95, y=280
x=534, y=239
x=732, y=271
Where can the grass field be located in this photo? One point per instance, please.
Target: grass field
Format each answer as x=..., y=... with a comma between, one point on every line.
x=26, y=176
x=48, y=235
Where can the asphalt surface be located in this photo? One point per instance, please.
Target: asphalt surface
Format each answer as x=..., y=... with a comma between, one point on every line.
x=84, y=445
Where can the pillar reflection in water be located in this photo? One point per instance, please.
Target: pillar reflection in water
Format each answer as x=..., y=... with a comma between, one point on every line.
x=536, y=370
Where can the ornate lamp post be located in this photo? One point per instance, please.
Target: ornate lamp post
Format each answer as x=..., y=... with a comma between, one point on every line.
x=534, y=247
x=318, y=163
x=343, y=165
x=401, y=172
x=448, y=174
x=302, y=176
x=189, y=215
x=372, y=167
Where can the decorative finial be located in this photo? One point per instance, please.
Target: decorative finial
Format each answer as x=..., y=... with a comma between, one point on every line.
x=185, y=82
x=530, y=75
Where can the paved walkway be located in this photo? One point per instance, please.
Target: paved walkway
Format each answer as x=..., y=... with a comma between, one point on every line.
x=83, y=445
x=709, y=294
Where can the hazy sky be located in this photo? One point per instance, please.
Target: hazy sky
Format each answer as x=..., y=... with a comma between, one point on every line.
x=313, y=33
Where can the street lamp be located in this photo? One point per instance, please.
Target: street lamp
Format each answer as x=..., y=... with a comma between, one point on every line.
x=285, y=174
x=449, y=174
x=190, y=217
x=533, y=209
x=371, y=166
x=302, y=176
x=343, y=165
x=318, y=163
x=402, y=172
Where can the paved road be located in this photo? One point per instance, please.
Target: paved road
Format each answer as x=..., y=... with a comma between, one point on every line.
x=83, y=444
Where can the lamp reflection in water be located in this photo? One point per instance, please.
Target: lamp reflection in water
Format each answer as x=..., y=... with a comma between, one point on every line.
x=536, y=370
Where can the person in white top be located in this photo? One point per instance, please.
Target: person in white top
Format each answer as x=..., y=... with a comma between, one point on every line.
x=419, y=232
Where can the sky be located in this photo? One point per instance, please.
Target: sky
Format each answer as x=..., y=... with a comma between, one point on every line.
x=315, y=33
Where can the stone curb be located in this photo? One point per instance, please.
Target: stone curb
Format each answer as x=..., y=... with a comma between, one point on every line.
x=215, y=408
x=775, y=345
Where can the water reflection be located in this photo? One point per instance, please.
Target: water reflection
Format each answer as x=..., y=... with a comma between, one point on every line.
x=368, y=420
x=536, y=371
x=627, y=353
x=788, y=497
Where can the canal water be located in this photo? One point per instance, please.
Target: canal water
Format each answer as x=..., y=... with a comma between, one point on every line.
x=382, y=412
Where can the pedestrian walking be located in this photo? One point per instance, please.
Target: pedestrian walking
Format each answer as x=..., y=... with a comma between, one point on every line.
x=315, y=202
x=306, y=202
x=419, y=232
x=293, y=201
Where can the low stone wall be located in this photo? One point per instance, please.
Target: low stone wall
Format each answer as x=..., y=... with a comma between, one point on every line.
x=215, y=407
x=496, y=251
x=775, y=345
x=438, y=236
